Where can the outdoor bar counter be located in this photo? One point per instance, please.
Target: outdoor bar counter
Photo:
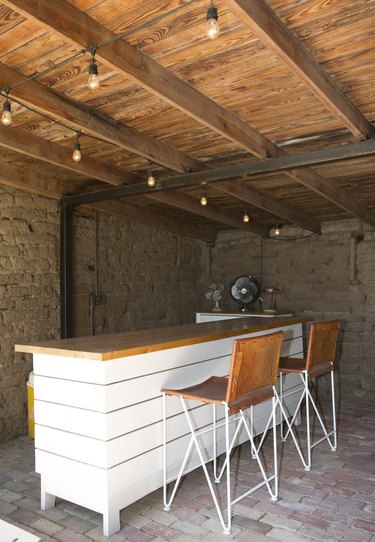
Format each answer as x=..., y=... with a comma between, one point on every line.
x=98, y=406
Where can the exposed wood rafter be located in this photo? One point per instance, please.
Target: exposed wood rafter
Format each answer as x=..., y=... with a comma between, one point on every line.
x=79, y=28
x=275, y=34
x=78, y=115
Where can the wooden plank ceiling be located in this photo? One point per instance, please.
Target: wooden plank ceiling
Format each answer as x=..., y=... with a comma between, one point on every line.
x=283, y=78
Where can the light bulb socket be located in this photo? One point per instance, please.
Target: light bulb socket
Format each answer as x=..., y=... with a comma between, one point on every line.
x=77, y=146
x=212, y=13
x=93, y=68
x=7, y=106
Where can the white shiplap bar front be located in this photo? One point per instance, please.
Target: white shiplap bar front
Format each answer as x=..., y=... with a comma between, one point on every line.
x=98, y=407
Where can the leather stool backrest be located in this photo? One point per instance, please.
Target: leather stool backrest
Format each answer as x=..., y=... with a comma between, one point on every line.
x=253, y=370
x=322, y=344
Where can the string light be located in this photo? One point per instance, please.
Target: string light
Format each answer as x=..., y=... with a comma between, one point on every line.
x=277, y=231
x=150, y=178
x=212, y=25
x=6, y=117
x=203, y=200
x=93, y=80
x=246, y=217
x=77, y=156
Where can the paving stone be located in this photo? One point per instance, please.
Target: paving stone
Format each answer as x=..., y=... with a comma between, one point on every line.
x=161, y=531
x=190, y=515
x=333, y=516
x=97, y=535
x=77, y=524
x=9, y=496
x=189, y=528
x=67, y=535
x=165, y=518
x=250, y=524
x=46, y=526
x=29, y=504
x=287, y=536
x=319, y=534
x=127, y=517
x=138, y=507
x=277, y=521
x=6, y=508
x=135, y=535
x=365, y=525
x=214, y=524
x=356, y=534
x=311, y=520
x=321, y=508
x=24, y=516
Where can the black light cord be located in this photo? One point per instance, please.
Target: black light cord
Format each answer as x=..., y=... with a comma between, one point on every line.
x=4, y=92
x=93, y=48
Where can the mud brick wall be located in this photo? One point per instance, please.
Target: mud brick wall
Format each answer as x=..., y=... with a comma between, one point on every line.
x=29, y=295
x=322, y=276
x=146, y=278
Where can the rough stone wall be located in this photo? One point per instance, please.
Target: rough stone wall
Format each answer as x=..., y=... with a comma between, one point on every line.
x=149, y=278
x=29, y=295
x=314, y=274
x=146, y=277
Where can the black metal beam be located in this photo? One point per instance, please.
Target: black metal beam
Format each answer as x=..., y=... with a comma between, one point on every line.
x=66, y=261
x=269, y=165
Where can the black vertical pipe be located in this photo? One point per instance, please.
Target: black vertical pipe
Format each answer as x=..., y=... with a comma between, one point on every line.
x=66, y=260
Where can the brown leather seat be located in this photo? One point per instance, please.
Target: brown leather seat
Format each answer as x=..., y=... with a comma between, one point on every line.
x=319, y=360
x=252, y=379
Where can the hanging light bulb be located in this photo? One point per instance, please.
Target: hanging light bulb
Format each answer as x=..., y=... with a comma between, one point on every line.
x=93, y=80
x=203, y=200
x=246, y=217
x=212, y=25
x=277, y=231
x=150, y=178
x=6, y=117
x=77, y=149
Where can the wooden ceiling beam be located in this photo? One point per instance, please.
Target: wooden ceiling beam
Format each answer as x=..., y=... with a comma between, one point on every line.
x=254, y=197
x=326, y=188
x=79, y=28
x=30, y=180
x=186, y=202
x=47, y=151
x=41, y=98
x=157, y=220
x=64, y=109
x=79, y=116
x=259, y=17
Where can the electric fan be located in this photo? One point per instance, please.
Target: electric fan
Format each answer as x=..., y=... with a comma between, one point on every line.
x=245, y=291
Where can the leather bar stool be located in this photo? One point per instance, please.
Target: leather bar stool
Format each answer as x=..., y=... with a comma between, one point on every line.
x=252, y=379
x=319, y=361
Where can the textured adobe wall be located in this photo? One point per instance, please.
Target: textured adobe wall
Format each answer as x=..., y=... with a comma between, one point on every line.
x=314, y=273
x=147, y=278
x=29, y=294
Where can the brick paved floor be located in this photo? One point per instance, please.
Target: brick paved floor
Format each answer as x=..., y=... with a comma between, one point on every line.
x=335, y=501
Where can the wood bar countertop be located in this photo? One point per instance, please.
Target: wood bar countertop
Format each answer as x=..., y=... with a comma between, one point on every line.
x=130, y=343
